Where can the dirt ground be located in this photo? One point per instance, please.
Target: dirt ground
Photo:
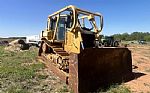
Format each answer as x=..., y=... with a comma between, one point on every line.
x=141, y=69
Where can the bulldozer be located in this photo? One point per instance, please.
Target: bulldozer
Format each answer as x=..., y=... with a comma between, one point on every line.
x=70, y=49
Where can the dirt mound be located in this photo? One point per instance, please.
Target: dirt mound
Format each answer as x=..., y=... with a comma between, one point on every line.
x=17, y=45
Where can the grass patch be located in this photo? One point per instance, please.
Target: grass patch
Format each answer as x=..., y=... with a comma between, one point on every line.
x=20, y=72
x=115, y=89
x=16, y=89
x=42, y=76
x=139, y=62
x=147, y=70
x=118, y=89
x=13, y=71
x=11, y=67
x=64, y=89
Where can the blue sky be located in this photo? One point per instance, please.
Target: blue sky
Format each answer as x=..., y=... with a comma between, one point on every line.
x=28, y=17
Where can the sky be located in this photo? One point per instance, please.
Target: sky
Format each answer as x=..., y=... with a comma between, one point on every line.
x=28, y=17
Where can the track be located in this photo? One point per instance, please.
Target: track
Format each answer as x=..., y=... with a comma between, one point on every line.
x=61, y=74
x=55, y=59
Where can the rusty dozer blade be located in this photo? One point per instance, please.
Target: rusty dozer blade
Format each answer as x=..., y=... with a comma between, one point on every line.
x=96, y=67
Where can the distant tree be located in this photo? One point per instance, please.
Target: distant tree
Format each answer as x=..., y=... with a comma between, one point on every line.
x=117, y=36
x=137, y=35
x=125, y=36
x=133, y=36
x=147, y=38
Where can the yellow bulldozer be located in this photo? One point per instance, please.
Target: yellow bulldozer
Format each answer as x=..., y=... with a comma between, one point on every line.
x=70, y=49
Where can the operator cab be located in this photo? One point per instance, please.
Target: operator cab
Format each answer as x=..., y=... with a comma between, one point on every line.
x=69, y=20
x=60, y=23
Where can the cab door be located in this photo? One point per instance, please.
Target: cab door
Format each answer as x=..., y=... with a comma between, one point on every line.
x=61, y=29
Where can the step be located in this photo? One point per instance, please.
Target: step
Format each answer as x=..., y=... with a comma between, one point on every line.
x=63, y=53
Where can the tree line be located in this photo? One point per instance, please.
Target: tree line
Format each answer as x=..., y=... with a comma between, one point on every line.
x=133, y=36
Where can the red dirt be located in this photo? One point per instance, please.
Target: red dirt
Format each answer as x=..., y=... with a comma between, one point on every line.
x=141, y=64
